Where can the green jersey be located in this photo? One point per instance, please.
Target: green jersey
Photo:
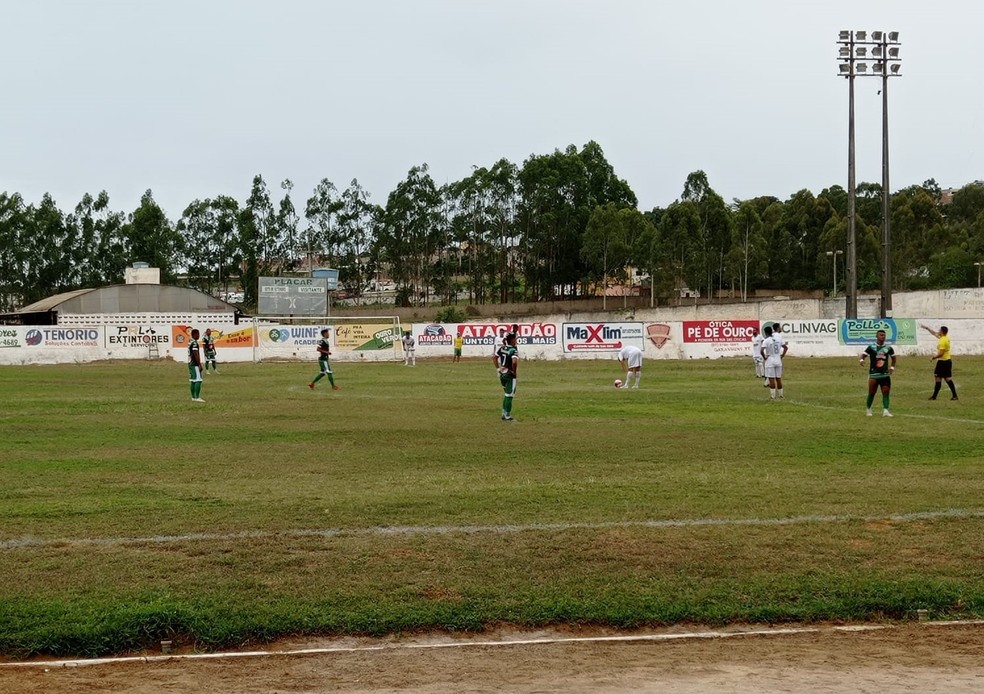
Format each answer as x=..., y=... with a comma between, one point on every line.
x=193, y=354
x=880, y=358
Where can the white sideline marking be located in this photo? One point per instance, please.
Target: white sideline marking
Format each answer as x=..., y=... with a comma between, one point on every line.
x=396, y=530
x=780, y=631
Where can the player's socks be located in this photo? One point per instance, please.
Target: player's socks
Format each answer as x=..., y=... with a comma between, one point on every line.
x=871, y=399
x=953, y=389
x=772, y=393
x=780, y=394
x=318, y=378
x=936, y=389
x=885, y=401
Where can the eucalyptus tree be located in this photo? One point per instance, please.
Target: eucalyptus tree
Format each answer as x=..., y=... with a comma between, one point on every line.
x=410, y=233
x=553, y=216
x=713, y=234
x=468, y=225
x=323, y=238
x=603, y=185
x=678, y=251
x=747, y=254
x=917, y=228
x=152, y=238
x=102, y=250
x=501, y=186
x=289, y=250
x=258, y=239
x=803, y=220
x=605, y=247
x=357, y=220
x=47, y=251
x=645, y=254
x=210, y=236
x=14, y=226
x=612, y=236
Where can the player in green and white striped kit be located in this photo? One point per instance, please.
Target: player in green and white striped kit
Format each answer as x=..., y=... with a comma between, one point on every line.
x=324, y=354
x=195, y=367
x=507, y=362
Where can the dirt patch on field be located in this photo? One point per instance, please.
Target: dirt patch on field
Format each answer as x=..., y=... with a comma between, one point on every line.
x=925, y=657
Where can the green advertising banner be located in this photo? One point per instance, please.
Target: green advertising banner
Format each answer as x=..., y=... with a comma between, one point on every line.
x=861, y=331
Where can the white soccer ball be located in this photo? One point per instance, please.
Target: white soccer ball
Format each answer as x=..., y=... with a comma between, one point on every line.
x=618, y=382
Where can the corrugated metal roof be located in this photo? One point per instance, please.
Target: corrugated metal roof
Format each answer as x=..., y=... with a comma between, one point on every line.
x=52, y=301
x=132, y=298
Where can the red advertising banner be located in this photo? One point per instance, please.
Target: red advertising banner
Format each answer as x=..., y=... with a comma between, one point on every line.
x=718, y=330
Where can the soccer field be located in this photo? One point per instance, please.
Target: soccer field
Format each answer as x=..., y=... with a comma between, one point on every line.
x=130, y=514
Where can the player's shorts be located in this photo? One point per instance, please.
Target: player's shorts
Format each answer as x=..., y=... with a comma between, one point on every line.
x=325, y=366
x=773, y=371
x=757, y=358
x=508, y=382
x=194, y=373
x=884, y=381
x=457, y=351
x=944, y=368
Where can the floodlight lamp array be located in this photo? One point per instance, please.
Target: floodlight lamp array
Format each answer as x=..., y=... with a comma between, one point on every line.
x=854, y=57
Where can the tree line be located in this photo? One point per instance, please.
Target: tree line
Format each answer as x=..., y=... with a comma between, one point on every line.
x=558, y=227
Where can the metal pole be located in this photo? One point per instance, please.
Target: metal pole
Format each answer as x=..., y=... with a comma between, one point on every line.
x=834, y=294
x=886, y=298
x=851, y=289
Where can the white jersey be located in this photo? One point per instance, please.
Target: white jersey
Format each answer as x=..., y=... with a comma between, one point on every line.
x=757, y=340
x=772, y=346
x=497, y=343
x=408, y=343
x=631, y=355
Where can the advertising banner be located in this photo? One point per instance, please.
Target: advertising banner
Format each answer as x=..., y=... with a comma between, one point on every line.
x=808, y=332
x=240, y=337
x=601, y=337
x=861, y=331
x=10, y=337
x=718, y=330
x=433, y=335
x=288, y=336
x=360, y=337
x=137, y=336
x=483, y=334
x=90, y=336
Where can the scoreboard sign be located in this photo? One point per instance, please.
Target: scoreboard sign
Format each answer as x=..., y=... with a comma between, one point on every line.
x=293, y=296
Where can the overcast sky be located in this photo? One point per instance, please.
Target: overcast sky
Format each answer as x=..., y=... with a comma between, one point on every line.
x=192, y=98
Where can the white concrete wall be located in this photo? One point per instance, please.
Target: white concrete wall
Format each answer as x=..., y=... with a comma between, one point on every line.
x=813, y=328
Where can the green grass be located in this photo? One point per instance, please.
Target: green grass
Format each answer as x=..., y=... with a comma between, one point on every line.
x=439, y=515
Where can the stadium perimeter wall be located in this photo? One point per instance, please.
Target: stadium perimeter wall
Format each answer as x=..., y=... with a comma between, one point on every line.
x=813, y=328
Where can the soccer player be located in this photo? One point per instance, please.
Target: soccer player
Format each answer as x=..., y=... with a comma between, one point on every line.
x=195, y=367
x=944, y=364
x=773, y=350
x=409, y=349
x=458, y=342
x=324, y=360
x=630, y=359
x=880, y=369
x=208, y=345
x=757, y=356
x=508, y=362
x=499, y=340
